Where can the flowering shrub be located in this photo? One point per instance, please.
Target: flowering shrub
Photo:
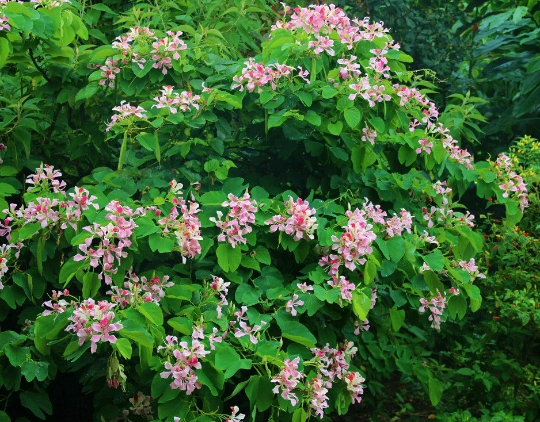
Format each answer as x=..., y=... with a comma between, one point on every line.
x=322, y=187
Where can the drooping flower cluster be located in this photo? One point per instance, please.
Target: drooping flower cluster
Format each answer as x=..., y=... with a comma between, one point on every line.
x=333, y=364
x=182, y=360
x=139, y=289
x=125, y=113
x=183, y=222
x=238, y=219
x=108, y=72
x=111, y=238
x=94, y=321
x=509, y=181
x=173, y=101
x=287, y=380
x=141, y=405
x=301, y=222
x=256, y=75
x=436, y=306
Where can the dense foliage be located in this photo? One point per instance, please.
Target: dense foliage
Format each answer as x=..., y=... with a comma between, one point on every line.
x=231, y=211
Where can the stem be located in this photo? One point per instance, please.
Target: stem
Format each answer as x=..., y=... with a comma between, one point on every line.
x=38, y=67
x=266, y=122
x=123, y=151
x=313, y=69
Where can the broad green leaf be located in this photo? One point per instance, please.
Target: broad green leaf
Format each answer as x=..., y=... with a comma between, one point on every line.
x=229, y=258
x=435, y=391
x=137, y=333
x=152, y=312
x=91, y=285
x=397, y=316
x=124, y=347
x=352, y=116
x=295, y=331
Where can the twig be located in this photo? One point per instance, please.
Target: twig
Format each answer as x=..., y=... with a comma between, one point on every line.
x=38, y=67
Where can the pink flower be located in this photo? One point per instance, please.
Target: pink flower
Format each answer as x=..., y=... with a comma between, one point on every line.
x=291, y=303
x=238, y=220
x=425, y=145
x=287, y=380
x=301, y=224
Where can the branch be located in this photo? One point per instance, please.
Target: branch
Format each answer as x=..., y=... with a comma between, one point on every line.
x=38, y=67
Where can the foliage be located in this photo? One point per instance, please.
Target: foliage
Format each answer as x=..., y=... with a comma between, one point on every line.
x=249, y=289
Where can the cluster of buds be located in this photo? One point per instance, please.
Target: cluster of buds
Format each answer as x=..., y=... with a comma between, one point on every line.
x=300, y=223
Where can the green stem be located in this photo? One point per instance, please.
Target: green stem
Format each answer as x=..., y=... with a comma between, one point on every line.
x=123, y=151
x=313, y=75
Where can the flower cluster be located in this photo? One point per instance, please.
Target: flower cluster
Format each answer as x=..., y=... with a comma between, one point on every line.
x=300, y=222
x=141, y=405
x=333, y=364
x=108, y=72
x=166, y=49
x=45, y=178
x=183, y=222
x=510, y=182
x=322, y=20
x=371, y=93
x=125, y=113
x=238, y=220
x=173, y=100
x=220, y=288
x=256, y=75
x=287, y=380
x=397, y=224
x=139, y=289
x=245, y=329
x=185, y=359
x=112, y=239
x=353, y=244
x=94, y=321
x=471, y=267
x=56, y=305
x=346, y=288
x=436, y=306
x=444, y=213
x=4, y=19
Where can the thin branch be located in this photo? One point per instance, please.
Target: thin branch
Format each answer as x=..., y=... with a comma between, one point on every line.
x=38, y=67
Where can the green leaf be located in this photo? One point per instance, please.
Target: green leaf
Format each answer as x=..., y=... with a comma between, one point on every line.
x=277, y=119
x=396, y=248
x=181, y=324
x=397, y=316
x=328, y=92
x=124, y=347
x=17, y=355
x=305, y=97
x=152, y=312
x=161, y=244
x=145, y=227
x=313, y=118
x=295, y=331
x=262, y=255
x=370, y=271
x=69, y=269
x=91, y=285
x=229, y=258
x=378, y=124
x=37, y=401
x=435, y=260
x=249, y=262
x=361, y=304
x=362, y=157
x=259, y=392
x=137, y=333
x=86, y=92
x=352, y=116
x=435, y=391
x=335, y=128
x=29, y=230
